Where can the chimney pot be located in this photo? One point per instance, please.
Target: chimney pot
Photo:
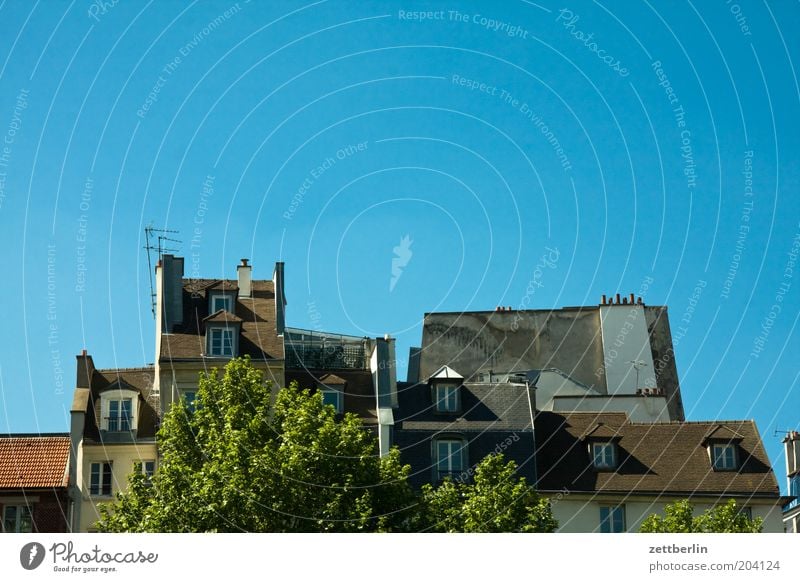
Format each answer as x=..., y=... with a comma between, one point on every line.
x=244, y=262
x=632, y=298
x=619, y=302
x=83, y=352
x=603, y=299
x=624, y=300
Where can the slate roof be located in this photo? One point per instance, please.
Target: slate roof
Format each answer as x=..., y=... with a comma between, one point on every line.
x=653, y=457
x=139, y=379
x=32, y=462
x=259, y=337
x=483, y=407
x=359, y=391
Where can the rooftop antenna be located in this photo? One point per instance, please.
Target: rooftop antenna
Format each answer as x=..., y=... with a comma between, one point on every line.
x=779, y=432
x=637, y=365
x=159, y=247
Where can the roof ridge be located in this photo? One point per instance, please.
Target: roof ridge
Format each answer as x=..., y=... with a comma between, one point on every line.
x=139, y=369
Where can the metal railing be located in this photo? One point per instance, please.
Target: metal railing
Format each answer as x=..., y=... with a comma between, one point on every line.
x=325, y=351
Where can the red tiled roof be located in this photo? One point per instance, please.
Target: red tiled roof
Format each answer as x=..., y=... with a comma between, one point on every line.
x=30, y=462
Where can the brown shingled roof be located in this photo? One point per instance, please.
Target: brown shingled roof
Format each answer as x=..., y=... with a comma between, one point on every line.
x=259, y=337
x=653, y=457
x=34, y=462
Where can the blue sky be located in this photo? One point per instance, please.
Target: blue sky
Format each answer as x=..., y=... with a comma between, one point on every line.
x=652, y=140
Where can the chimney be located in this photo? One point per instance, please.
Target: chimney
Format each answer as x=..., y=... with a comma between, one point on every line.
x=792, y=444
x=603, y=299
x=384, y=378
x=618, y=300
x=632, y=299
x=169, y=281
x=280, y=298
x=85, y=370
x=244, y=273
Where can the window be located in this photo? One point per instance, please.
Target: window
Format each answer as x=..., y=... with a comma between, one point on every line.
x=189, y=397
x=794, y=490
x=221, y=302
x=332, y=397
x=447, y=398
x=612, y=519
x=450, y=457
x=747, y=512
x=221, y=341
x=146, y=467
x=604, y=455
x=17, y=519
x=100, y=483
x=119, y=415
x=723, y=457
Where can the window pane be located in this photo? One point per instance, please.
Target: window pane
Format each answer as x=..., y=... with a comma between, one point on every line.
x=442, y=455
x=106, y=479
x=125, y=414
x=605, y=523
x=25, y=522
x=94, y=484
x=10, y=519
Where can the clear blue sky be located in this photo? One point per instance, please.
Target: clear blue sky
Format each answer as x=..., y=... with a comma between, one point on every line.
x=619, y=134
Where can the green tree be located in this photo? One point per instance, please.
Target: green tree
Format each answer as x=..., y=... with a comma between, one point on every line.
x=238, y=463
x=496, y=501
x=679, y=518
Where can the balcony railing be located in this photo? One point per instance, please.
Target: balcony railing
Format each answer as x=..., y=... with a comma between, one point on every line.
x=325, y=351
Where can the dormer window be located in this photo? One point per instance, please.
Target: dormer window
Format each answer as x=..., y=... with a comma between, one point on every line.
x=119, y=406
x=723, y=457
x=604, y=455
x=222, y=301
x=447, y=398
x=445, y=393
x=332, y=388
x=221, y=341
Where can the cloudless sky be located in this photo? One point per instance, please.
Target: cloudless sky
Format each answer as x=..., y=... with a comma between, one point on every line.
x=636, y=140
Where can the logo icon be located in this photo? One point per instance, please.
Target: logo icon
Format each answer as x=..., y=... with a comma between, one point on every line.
x=402, y=256
x=31, y=555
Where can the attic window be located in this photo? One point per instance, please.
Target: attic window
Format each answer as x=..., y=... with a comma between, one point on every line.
x=447, y=398
x=333, y=397
x=221, y=341
x=604, y=455
x=119, y=410
x=221, y=301
x=723, y=457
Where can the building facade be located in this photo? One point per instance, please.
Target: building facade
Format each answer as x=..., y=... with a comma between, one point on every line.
x=34, y=479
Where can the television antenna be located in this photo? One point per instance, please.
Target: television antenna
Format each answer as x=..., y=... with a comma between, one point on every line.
x=159, y=246
x=637, y=365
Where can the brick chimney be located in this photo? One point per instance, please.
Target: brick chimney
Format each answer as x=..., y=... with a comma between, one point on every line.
x=244, y=273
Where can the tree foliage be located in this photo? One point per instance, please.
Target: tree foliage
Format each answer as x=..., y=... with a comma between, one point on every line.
x=249, y=460
x=496, y=501
x=679, y=518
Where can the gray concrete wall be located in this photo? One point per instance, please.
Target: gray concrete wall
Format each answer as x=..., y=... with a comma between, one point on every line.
x=567, y=339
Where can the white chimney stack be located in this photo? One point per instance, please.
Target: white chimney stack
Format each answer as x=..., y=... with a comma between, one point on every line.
x=244, y=273
x=792, y=443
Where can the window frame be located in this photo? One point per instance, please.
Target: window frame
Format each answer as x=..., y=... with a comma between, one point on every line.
x=605, y=446
x=615, y=516
x=715, y=458
x=141, y=466
x=451, y=470
x=227, y=300
x=339, y=406
x=18, y=520
x=450, y=403
x=101, y=488
x=117, y=395
x=122, y=422
x=222, y=329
